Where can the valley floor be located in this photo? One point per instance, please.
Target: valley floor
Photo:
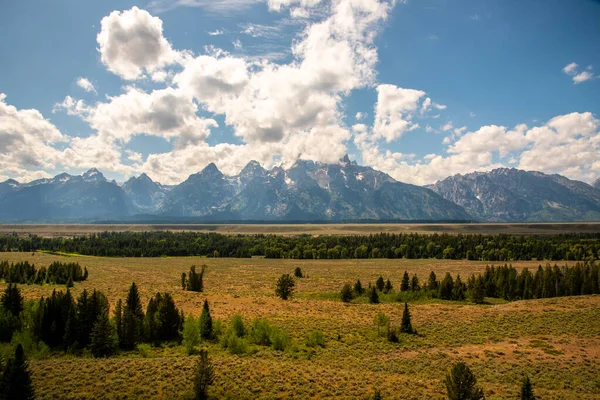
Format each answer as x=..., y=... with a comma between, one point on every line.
x=555, y=341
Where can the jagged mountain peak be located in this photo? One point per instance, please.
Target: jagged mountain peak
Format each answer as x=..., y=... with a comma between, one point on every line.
x=253, y=168
x=93, y=175
x=211, y=170
x=11, y=182
x=596, y=184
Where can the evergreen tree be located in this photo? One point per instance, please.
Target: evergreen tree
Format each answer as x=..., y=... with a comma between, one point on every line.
x=104, y=337
x=298, y=273
x=71, y=329
x=195, y=282
x=204, y=377
x=358, y=289
x=477, y=293
x=183, y=281
x=119, y=321
x=70, y=282
x=191, y=334
x=458, y=292
x=461, y=384
x=380, y=283
x=432, y=283
x=415, y=286
x=85, y=274
x=388, y=286
x=16, y=380
x=285, y=286
x=347, y=294
x=12, y=299
x=527, y=390
x=205, y=322
x=406, y=326
x=373, y=296
x=405, y=285
x=132, y=320
x=446, y=287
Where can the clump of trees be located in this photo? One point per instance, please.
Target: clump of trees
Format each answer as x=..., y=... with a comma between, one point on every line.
x=194, y=280
x=285, y=287
x=501, y=247
x=56, y=273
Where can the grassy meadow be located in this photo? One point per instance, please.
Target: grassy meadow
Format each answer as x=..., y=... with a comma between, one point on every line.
x=555, y=341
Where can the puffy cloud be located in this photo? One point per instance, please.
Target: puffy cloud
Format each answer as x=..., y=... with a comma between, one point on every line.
x=166, y=113
x=26, y=140
x=216, y=32
x=132, y=41
x=491, y=138
x=394, y=110
x=86, y=85
x=576, y=74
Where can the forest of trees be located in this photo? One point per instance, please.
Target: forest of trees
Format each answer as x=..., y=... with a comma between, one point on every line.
x=576, y=247
x=57, y=273
x=498, y=282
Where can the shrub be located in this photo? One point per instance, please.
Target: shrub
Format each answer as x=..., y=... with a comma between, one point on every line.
x=237, y=325
x=315, y=339
x=261, y=332
x=280, y=340
x=191, y=334
x=233, y=343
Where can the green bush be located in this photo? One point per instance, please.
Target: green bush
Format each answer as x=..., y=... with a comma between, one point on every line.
x=261, y=332
x=280, y=340
x=237, y=325
x=233, y=343
x=315, y=339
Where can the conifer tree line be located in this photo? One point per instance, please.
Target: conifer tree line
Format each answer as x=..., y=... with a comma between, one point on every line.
x=73, y=325
x=57, y=273
x=501, y=247
x=498, y=282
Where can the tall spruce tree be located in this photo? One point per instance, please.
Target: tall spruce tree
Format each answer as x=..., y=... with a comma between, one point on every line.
x=415, y=286
x=388, y=286
x=133, y=319
x=358, y=288
x=373, y=296
x=12, y=299
x=119, y=320
x=477, y=292
x=104, y=339
x=405, y=284
x=446, y=287
x=527, y=390
x=406, y=325
x=16, y=380
x=432, y=283
x=380, y=283
x=204, y=377
x=461, y=384
x=347, y=294
x=205, y=322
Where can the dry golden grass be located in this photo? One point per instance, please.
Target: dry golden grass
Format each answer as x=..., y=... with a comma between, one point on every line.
x=555, y=341
x=50, y=230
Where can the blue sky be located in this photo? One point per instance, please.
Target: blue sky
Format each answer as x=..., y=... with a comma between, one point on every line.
x=418, y=89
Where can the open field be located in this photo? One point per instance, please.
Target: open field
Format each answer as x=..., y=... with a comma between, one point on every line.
x=555, y=341
x=50, y=230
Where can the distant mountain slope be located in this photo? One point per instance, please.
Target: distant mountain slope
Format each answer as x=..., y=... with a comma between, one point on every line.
x=63, y=197
x=306, y=191
x=145, y=194
x=596, y=183
x=511, y=195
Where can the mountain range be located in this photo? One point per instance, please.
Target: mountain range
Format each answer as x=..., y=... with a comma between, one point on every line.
x=307, y=191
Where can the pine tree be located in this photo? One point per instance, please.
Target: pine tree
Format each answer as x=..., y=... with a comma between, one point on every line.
x=446, y=287
x=132, y=320
x=415, y=286
x=285, y=286
x=388, y=287
x=461, y=384
x=16, y=380
x=71, y=329
x=358, y=289
x=405, y=285
x=119, y=321
x=85, y=274
x=527, y=390
x=12, y=299
x=406, y=326
x=183, y=281
x=205, y=322
x=432, y=283
x=298, y=273
x=205, y=376
x=70, y=282
x=347, y=294
x=458, y=292
x=380, y=283
x=104, y=337
x=478, y=291
x=373, y=296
